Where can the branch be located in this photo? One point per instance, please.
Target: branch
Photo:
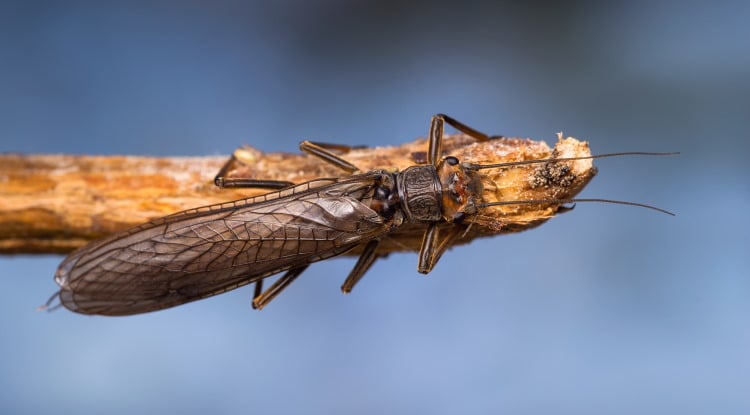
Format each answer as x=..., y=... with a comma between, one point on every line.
x=56, y=203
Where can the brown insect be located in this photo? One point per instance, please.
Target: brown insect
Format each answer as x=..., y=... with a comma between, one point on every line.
x=206, y=251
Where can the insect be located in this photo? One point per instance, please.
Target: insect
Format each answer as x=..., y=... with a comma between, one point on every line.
x=206, y=251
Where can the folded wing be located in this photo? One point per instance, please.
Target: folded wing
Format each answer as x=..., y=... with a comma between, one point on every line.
x=207, y=251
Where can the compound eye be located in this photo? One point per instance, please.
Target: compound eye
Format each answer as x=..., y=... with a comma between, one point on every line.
x=451, y=160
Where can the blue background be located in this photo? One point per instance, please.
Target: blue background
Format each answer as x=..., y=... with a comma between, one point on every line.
x=630, y=312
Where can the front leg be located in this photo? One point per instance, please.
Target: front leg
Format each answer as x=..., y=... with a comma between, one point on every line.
x=435, y=150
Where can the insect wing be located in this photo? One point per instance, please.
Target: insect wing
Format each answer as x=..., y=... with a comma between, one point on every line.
x=200, y=253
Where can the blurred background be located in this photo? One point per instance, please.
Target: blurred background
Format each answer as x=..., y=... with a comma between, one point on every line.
x=633, y=311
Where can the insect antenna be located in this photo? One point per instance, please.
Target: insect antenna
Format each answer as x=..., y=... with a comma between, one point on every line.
x=547, y=201
x=473, y=166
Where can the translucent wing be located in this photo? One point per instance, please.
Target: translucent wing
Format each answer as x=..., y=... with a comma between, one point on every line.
x=207, y=251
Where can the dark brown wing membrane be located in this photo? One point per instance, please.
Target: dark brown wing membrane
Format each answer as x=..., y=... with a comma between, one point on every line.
x=202, y=252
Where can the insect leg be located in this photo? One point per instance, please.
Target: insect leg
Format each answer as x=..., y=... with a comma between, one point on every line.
x=222, y=181
x=364, y=263
x=427, y=250
x=437, y=247
x=433, y=246
x=261, y=300
x=478, y=135
x=435, y=151
x=323, y=152
x=258, y=289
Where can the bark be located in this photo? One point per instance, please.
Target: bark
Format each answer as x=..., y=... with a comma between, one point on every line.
x=56, y=203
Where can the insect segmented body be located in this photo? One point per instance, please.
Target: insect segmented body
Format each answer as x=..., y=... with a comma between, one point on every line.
x=209, y=250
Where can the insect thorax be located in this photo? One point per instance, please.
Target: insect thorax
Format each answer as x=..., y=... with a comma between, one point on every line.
x=420, y=192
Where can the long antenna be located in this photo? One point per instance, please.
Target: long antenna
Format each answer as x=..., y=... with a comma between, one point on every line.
x=473, y=166
x=547, y=201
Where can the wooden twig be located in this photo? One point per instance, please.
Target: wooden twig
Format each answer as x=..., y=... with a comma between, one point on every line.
x=56, y=203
